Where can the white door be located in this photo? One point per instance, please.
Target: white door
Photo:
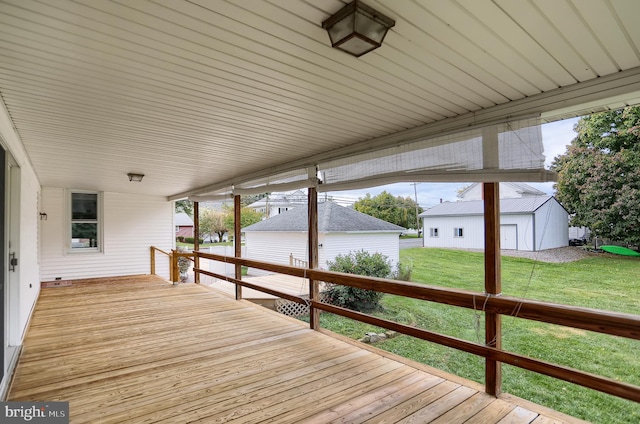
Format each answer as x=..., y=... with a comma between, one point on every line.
x=509, y=237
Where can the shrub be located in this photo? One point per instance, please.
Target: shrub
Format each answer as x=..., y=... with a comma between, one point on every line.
x=361, y=263
x=183, y=264
x=190, y=240
x=180, y=239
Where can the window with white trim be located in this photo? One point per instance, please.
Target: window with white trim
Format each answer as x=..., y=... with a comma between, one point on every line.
x=433, y=232
x=458, y=232
x=85, y=221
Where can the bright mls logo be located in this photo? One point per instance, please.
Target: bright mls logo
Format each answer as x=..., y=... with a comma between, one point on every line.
x=35, y=412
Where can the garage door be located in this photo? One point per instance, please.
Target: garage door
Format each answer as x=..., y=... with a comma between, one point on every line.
x=509, y=237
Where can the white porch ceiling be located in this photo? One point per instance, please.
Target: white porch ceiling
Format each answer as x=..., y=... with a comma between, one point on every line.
x=194, y=93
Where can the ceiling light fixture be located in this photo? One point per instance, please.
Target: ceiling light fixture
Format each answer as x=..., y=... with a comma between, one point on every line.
x=357, y=28
x=135, y=177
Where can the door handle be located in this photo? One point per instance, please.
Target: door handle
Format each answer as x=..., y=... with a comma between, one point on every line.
x=13, y=262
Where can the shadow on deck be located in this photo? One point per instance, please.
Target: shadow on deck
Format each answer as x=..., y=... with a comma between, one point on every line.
x=138, y=349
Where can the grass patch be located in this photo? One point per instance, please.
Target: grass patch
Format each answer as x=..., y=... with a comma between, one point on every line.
x=596, y=282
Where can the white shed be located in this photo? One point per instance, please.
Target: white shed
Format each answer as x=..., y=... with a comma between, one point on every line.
x=340, y=231
x=527, y=223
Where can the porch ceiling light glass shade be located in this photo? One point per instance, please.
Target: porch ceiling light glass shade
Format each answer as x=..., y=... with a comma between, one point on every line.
x=357, y=28
x=135, y=177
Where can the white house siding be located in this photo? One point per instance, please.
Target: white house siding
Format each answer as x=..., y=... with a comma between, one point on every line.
x=277, y=246
x=334, y=244
x=472, y=237
x=132, y=223
x=473, y=231
x=552, y=229
x=271, y=246
x=475, y=192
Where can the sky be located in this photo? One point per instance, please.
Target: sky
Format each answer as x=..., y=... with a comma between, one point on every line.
x=555, y=138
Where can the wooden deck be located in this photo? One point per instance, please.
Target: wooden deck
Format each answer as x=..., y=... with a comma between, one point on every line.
x=140, y=350
x=283, y=283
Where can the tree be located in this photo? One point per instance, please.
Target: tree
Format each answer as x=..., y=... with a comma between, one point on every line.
x=360, y=263
x=397, y=210
x=248, y=216
x=185, y=206
x=599, y=175
x=249, y=199
x=221, y=221
x=213, y=222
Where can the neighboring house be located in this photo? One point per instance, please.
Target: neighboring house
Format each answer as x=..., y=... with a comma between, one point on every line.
x=184, y=225
x=340, y=230
x=507, y=191
x=527, y=223
x=277, y=203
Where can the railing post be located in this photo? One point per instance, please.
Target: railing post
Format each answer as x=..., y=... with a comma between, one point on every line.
x=314, y=292
x=173, y=260
x=153, y=260
x=237, y=241
x=492, y=283
x=196, y=241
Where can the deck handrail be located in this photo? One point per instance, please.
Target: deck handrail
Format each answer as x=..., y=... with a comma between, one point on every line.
x=153, y=251
x=300, y=263
x=174, y=255
x=606, y=322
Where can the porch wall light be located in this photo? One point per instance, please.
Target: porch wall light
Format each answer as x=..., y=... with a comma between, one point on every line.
x=135, y=177
x=357, y=28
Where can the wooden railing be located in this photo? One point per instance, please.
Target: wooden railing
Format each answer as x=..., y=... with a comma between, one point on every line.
x=174, y=255
x=297, y=262
x=153, y=252
x=612, y=323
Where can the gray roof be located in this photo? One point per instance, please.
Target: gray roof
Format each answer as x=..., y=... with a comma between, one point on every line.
x=476, y=207
x=331, y=218
x=183, y=220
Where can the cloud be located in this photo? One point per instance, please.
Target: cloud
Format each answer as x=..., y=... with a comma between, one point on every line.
x=555, y=138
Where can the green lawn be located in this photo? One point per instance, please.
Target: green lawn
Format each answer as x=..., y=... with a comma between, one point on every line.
x=596, y=282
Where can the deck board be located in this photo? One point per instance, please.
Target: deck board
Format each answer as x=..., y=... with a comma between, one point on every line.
x=140, y=350
x=289, y=284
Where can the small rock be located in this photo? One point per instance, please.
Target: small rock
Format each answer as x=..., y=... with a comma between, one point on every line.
x=373, y=337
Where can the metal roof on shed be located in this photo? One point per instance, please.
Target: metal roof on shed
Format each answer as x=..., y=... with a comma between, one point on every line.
x=475, y=207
